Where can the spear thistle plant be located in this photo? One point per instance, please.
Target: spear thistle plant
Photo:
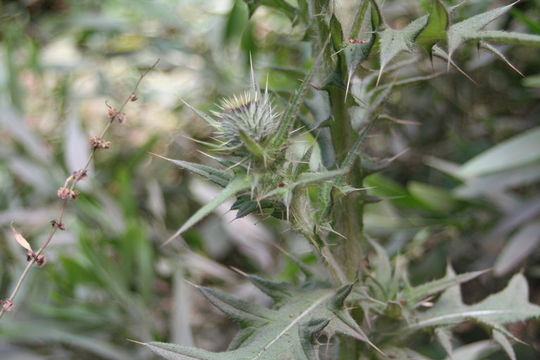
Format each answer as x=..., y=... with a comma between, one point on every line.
x=260, y=171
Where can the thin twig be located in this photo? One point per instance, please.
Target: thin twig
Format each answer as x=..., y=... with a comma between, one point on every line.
x=74, y=180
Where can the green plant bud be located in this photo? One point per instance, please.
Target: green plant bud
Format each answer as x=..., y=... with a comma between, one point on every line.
x=393, y=310
x=246, y=121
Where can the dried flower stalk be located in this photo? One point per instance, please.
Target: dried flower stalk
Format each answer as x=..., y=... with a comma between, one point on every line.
x=68, y=192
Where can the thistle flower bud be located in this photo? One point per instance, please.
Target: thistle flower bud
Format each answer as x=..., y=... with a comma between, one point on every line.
x=250, y=114
x=246, y=126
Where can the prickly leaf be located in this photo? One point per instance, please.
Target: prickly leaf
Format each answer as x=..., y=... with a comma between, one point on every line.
x=220, y=177
x=287, y=332
x=393, y=42
x=236, y=185
x=508, y=306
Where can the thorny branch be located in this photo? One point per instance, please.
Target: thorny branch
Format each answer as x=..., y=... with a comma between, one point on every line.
x=67, y=191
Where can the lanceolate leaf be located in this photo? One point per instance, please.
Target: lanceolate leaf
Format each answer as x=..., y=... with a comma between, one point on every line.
x=245, y=313
x=280, y=5
x=252, y=146
x=20, y=239
x=179, y=352
x=435, y=29
x=474, y=351
x=235, y=186
x=285, y=333
x=217, y=176
x=425, y=290
x=202, y=115
x=504, y=36
x=289, y=116
x=307, y=179
x=517, y=151
x=520, y=245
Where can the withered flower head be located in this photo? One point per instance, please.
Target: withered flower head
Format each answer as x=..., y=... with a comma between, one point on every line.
x=122, y=118
x=7, y=305
x=80, y=174
x=112, y=112
x=59, y=225
x=66, y=193
x=38, y=259
x=98, y=143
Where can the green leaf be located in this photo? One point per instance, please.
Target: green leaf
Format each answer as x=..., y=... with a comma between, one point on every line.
x=237, y=20
x=336, y=32
x=307, y=178
x=532, y=24
x=508, y=306
x=217, y=176
x=279, y=292
x=466, y=29
x=280, y=5
x=252, y=146
x=520, y=150
x=288, y=117
x=235, y=186
x=474, y=351
x=505, y=344
x=436, y=27
x=180, y=352
x=55, y=332
x=245, y=313
x=380, y=185
x=523, y=243
x=505, y=36
x=284, y=333
x=356, y=53
x=435, y=198
x=383, y=268
x=498, y=181
x=532, y=81
x=445, y=339
x=393, y=42
x=423, y=291
x=209, y=120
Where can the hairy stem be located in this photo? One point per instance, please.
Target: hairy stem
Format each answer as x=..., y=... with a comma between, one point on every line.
x=347, y=211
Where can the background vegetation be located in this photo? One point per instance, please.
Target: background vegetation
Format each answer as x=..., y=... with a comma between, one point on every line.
x=108, y=280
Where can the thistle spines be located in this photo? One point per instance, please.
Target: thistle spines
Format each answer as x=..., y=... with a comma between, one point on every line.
x=246, y=124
